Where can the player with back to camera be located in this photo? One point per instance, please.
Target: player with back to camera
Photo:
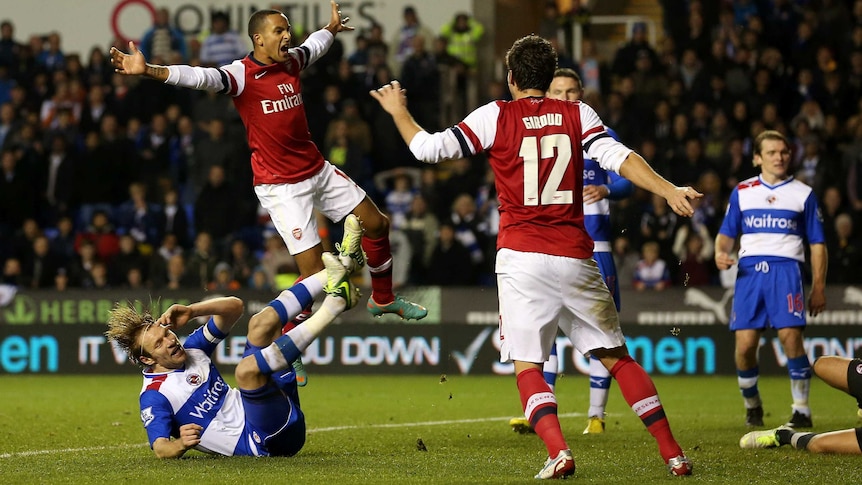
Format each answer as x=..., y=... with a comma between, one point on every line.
x=291, y=177
x=185, y=402
x=841, y=373
x=600, y=187
x=775, y=215
x=546, y=277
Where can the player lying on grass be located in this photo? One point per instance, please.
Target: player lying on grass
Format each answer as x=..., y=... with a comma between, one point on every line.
x=184, y=401
x=841, y=373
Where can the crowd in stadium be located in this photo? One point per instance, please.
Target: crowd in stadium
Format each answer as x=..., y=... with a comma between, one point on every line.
x=114, y=182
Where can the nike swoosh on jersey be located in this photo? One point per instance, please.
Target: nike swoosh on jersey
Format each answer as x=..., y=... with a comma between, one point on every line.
x=260, y=74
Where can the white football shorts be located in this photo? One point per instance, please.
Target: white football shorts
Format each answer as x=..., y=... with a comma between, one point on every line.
x=290, y=206
x=539, y=293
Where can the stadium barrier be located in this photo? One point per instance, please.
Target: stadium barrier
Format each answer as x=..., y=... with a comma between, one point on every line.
x=677, y=332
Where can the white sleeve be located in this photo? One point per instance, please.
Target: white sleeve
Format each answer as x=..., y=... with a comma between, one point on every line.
x=598, y=144
x=203, y=78
x=317, y=44
x=473, y=135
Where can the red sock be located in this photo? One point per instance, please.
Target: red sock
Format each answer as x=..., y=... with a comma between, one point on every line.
x=540, y=407
x=380, y=266
x=640, y=392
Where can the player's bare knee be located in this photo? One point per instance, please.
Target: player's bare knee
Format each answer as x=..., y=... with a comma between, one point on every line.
x=247, y=372
x=377, y=226
x=816, y=446
x=262, y=326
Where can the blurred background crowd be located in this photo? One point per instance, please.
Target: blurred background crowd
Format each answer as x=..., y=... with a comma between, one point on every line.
x=109, y=181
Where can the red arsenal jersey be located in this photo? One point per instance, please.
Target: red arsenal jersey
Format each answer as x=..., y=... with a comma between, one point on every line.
x=269, y=101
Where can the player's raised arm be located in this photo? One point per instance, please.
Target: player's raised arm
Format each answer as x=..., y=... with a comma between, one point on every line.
x=393, y=100
x=134, y=64
x=337, y=23
x=225, y=311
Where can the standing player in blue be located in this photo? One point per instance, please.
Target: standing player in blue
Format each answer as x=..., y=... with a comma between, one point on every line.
x=775, y=216
x=600, y=187
x=186, y=404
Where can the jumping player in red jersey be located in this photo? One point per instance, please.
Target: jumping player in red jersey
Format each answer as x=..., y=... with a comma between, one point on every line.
x=546, y=276
x=291, y=177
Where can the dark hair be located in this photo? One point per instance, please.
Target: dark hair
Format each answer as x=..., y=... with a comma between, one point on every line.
x=532, y=61
x=569, y=73
x=256, y=21
x=219, y=15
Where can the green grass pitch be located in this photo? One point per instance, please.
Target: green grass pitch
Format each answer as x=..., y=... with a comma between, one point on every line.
x=364, y=429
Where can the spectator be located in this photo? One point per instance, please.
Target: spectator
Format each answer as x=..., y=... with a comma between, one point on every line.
x=451, y=263
x=223, y=45
x=63, y=241
x=694, y=248
x=259, y=281
x=201, y=262
x=176, y=275
x=216, y=209
x=139, y=218
x=58, y=169
x=845, y=258
x=398, y=187
x=241, y=261
x=9, y=48
x=652, y=272
x=344, y=153
x=223, y=279
x=162, y=43
x=421, y=228
x=50, y=56
x=79, y=268
x=17, y=197
x=98, y=278
x=626, y=57
x=276, y=259
x=101, y=233
x=420, y=76
x=12, y=273
x=39, y=269
x=405, y=40
x=173, y=219
x=128, y=258
x=462, y=36
x=659, y=225
x=626, y=260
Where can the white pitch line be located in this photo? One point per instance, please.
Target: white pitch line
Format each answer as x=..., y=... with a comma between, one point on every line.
x=429, y=423
x=23, y=454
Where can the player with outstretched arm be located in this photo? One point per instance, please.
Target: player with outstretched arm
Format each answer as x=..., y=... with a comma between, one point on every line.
x=546, y=277
x=291, y=177
x=600, y=187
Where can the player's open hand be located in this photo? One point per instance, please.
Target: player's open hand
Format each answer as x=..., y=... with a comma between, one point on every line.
x=391, y=97
x=190, y=435
x=678, y=200
x=176, y=316
x=132, y=63
x=337, y=23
